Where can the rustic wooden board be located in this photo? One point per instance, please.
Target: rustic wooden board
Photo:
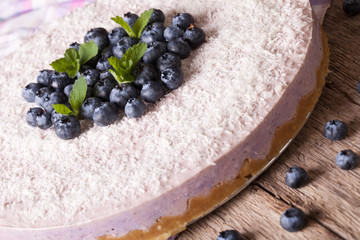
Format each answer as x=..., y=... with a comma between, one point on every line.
x=331, y=199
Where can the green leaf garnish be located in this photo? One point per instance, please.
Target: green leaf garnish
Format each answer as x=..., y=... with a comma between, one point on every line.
x=139, y=24
x=124, y=67
x=125, y=25
x=62, y=109
x=87, y=51
x=73, y=58
x=76, y=98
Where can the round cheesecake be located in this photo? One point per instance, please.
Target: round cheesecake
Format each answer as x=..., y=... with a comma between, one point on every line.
x=247, y=92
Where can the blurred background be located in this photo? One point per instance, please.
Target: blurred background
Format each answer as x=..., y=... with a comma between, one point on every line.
x=20, y=19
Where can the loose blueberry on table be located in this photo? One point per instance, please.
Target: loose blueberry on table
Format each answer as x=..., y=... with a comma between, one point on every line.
x=121, y=70
x=229, y=235
x=347, y=159
x=293, y=219
x=296, y=177
x=335, y=130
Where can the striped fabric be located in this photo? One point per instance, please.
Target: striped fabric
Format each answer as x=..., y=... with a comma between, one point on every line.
x=19, y=19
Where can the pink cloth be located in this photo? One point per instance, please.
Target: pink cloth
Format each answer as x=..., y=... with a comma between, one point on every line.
x=19, y=19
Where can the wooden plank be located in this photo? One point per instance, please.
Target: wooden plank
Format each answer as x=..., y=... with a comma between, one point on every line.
x=256, y=215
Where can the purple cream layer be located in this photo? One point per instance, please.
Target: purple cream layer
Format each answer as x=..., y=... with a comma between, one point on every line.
x=256, y=144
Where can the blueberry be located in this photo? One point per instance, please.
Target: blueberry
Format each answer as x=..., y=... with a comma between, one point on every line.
x=67, y=127
x=40, y=94
x=67, y=89
x=55, y=116
x=75, y=45
x=29, y=91
x=153, y=32
x=130, y=18
x=154, y=51
x=44, y=76
x=296, y=177
x=105, y=114
x=293, y=219
x=107, y=53
x=194, y=36
x=103, y=64
x=144, y=72
x=135, y=108
x=53, y=98
x=183, y=20
x=43, y=121
x=229, y=235
x=59, y=81
x=335, y=130
x=91, y=76
x=93, y=61
x=152, y=91
x=99, y=36
x=351, y=7
x=347, y=159
x=168, y=60
x=106, y=74
x=32, y=114
x=179, y=47
x=116, y=35
x=172, y=78
x=173, y=32
x=121, y=93
x=120, y=48
x=103, y=88
x=88, y=107
x=157, y=16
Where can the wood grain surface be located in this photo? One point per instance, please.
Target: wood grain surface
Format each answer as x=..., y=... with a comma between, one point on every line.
x=331, y=199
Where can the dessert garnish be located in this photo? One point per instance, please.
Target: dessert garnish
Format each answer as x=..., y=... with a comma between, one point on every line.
x=74, y=58
x=121, y=71
x=136, y=30
x=76, y=99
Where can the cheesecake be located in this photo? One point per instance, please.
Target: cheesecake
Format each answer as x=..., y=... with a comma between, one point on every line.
x=247, y=91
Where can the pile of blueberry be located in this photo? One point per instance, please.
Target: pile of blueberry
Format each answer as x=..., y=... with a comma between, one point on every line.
x=158, y=72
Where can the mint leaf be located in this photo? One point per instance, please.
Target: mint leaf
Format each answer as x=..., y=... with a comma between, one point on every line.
x=125, y=25
x=78, y=94
x=60, y=65
x=62, y=109
x=141, y=22
x=122, y=76
x=71, y=54
x=124, y=67
x=87, y=51
x=134, y=54
x=70, y=63
x=72, y=72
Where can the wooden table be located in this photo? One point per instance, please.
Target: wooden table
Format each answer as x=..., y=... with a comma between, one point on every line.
x=331, y=199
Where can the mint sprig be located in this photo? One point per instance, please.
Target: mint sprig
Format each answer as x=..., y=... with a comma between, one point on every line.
x=73, y=58
x=76, y=98
x=138, y=26
x=123, y=68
